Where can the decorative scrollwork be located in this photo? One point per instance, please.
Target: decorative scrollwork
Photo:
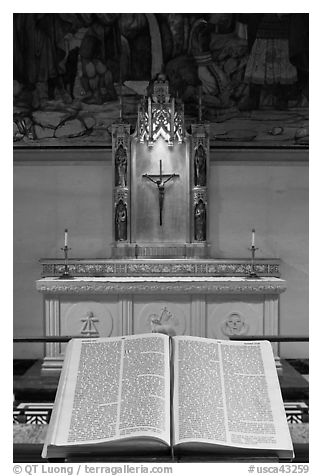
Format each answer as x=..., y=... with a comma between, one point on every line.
x=159, y=115
x=199, y=194
x=160, y=92
x=120, y=194
x=113, y=268
x=200, y=140
x=211, y=286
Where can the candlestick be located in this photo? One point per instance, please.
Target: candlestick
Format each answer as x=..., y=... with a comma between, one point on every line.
x=252, y=273
x=65, y=249
x=66, y=274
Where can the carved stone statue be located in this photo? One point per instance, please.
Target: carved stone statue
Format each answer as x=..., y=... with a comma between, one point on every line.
x=120, y=166
x=200, y=221
x=120, y=221
x=200, y=167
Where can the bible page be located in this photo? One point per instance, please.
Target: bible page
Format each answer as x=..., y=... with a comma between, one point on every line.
x=114, y=388
x=227, y=393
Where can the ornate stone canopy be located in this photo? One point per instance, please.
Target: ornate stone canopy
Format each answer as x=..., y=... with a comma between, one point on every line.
x=160, y=204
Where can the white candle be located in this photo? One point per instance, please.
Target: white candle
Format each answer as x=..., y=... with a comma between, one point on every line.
x=66, y=237
x=253, y=237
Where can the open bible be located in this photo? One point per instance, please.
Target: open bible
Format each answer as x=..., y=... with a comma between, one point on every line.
x=155, y=394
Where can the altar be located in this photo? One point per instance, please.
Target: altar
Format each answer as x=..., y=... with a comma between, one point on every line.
x=160, y=277
x=173, y=296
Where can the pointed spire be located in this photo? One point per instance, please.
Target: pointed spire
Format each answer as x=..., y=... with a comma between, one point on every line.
x=200, y=104
x=121, y=95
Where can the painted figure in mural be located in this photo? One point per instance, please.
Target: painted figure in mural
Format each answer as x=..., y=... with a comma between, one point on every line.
x=214, y=59
x=299, y=54
x=40, y=56
x=120, y=167
x=200, y=221
x=272, y=63
x=120, y=221
x=100, y=51
x=62, y=61
x=200, y=165
x=47, y=47
x=213, y=79
x=136, y=57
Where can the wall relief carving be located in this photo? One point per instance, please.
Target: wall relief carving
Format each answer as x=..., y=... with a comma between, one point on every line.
x=164, y=322
x=164, y=316
x=234, y=325
x=88, y=325
x=86, y=318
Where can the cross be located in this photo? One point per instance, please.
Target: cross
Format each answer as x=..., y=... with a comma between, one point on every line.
x=89, y=328
x=160, y=183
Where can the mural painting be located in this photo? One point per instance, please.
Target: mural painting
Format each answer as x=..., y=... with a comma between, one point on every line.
x=73, y=72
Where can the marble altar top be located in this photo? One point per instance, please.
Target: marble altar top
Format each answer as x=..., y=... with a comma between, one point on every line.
x=161, y=284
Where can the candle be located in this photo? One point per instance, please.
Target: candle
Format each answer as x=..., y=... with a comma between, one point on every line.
x=253, y=237
x=66, y=237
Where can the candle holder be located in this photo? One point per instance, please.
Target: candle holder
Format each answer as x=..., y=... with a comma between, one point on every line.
x=66, y=274
x=252, y=274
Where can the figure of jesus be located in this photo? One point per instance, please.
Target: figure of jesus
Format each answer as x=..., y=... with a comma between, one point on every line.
x=160, y=183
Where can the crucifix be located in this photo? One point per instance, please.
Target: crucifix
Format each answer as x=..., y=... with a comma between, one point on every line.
x=160, y=183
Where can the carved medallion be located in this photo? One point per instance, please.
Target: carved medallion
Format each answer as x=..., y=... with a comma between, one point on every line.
x=87, y=318
x=165, y=322
x=234, y=325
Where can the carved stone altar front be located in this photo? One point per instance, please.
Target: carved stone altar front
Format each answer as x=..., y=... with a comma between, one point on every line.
x=216, y=307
